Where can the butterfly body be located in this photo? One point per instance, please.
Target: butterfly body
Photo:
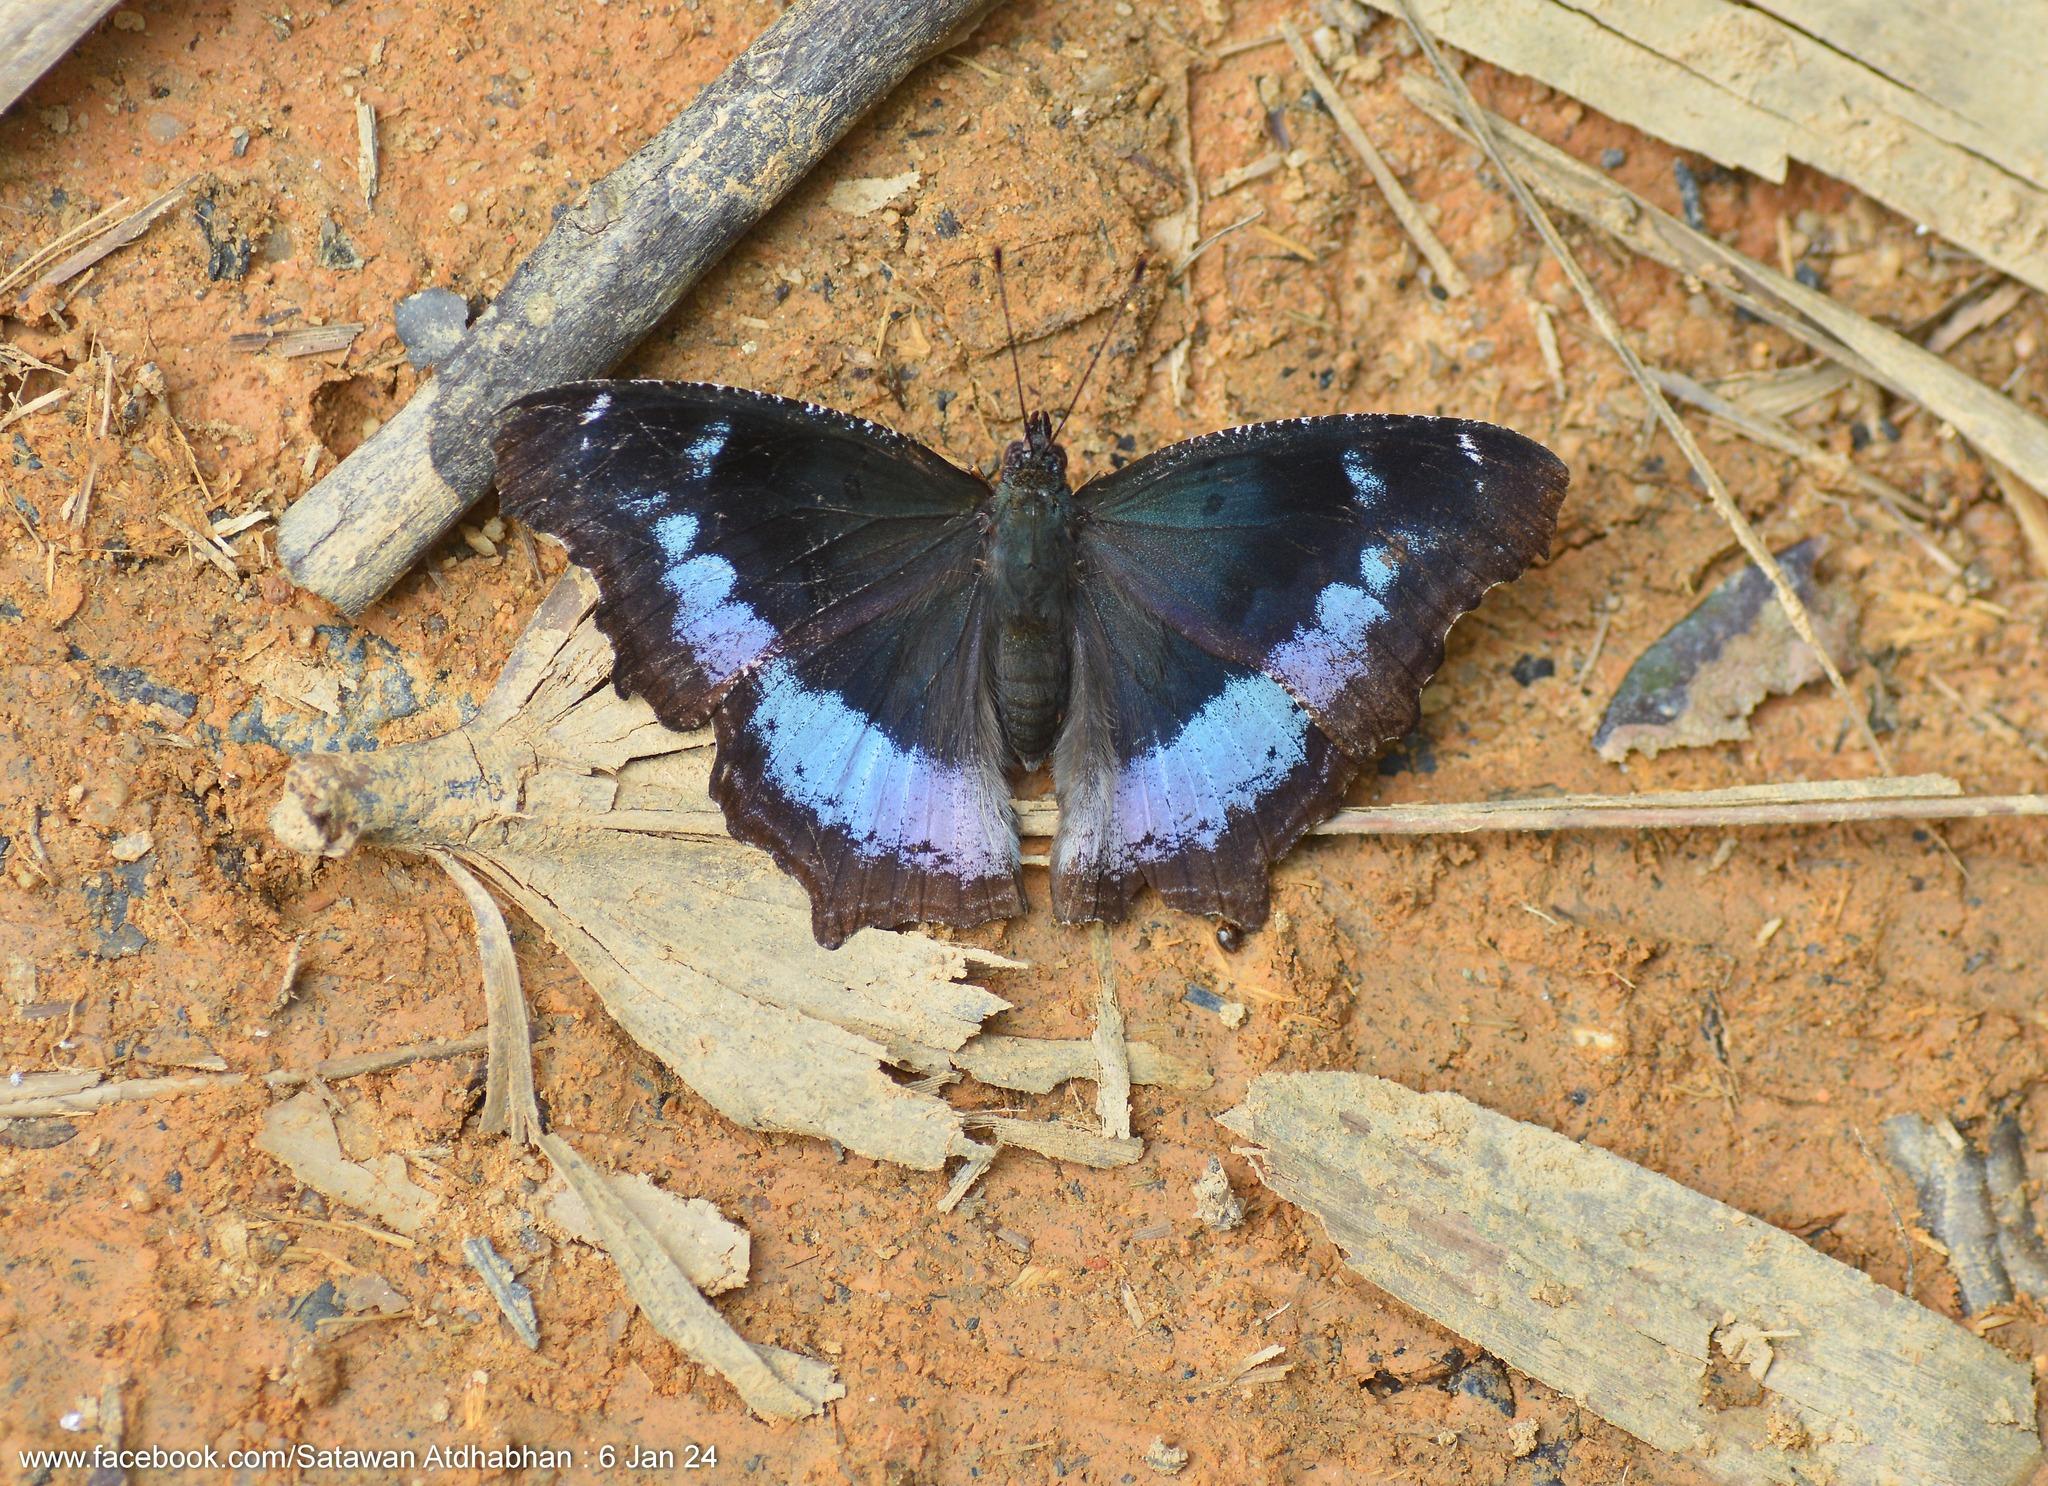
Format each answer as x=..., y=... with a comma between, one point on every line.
x=1208, y=643
x=1031, y=580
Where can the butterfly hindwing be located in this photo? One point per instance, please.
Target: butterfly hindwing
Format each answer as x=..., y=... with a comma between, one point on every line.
x=812, y=580
x=1259, y=610
x=1179, y=768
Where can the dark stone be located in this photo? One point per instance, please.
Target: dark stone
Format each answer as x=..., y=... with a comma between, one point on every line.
x=336, y=251
x=1689, y=195
x=431, y=325
x=1531, y=669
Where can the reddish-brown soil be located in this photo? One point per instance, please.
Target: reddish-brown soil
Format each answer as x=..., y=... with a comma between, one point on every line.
x=1740, y=1012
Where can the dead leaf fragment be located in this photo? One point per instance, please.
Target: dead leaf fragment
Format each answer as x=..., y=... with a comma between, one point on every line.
x=1699, y=682
x=300, y=1132
x=712, y=1250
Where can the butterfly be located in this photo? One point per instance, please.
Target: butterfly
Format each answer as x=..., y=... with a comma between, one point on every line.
x=1207, y=643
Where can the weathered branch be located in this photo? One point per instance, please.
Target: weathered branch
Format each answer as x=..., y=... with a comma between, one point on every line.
x=610, y=269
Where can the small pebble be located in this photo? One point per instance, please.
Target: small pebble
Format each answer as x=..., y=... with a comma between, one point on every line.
x=1168, y=1460
x=130, y=20
x=459, y=213
x=132, y=847
x=163, y=127
x=1613, y=157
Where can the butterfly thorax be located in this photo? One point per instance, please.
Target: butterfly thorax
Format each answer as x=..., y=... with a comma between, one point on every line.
x=1030, y=564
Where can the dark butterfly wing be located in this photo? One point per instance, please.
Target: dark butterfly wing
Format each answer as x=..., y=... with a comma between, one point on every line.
x=1259, y=610
x=812, y=579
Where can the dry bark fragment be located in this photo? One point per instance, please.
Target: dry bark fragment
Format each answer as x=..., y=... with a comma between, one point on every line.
x=1610, y=1283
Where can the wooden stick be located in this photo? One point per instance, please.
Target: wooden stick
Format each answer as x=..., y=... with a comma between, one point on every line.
x=610, y=269
x=1477, y=121
x=1406, y=212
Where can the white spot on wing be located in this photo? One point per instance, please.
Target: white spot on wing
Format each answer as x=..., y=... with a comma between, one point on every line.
x=1471, y=447
x=895, y=801
x=597, y=407
x=1365, y=480
x=703, y=450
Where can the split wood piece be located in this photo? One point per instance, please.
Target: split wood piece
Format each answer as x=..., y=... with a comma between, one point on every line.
x=1948, y=1179
x=1406, y=212
x=1748, y=88
x=510, y=1107
x=713, y=1251
x=1475, y=119
x=1060, y=1141
x=617, y=262
x=1994, y=423
x=1912, y=797
x=1112, y=1053
x=34, y=34
x=1618, y=1287
x=1037, y=1065
x=775, y=1384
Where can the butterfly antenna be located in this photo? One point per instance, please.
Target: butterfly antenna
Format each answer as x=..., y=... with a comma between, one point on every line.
x=1010, y=333
x=1088, y=371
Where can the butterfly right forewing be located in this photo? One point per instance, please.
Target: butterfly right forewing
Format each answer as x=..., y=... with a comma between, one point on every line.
x=812, y=582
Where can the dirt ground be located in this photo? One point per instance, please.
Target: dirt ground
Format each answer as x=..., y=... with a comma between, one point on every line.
x=1740, y=1012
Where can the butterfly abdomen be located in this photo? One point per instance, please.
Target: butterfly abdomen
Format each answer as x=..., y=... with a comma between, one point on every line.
x=1031, y=561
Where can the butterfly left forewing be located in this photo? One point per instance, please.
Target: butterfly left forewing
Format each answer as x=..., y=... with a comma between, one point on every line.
x=1285, y=587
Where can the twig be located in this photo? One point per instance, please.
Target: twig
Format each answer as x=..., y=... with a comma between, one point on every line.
x=1406, y=212
x=85, y=1101
x=119, y=235
x=1189, y=259
x=1596, y=305
x=1771, y=434
x=609, y=270
x=35, y=405
x=1994, y=423
x=354, y=1065
x=1912, y=797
